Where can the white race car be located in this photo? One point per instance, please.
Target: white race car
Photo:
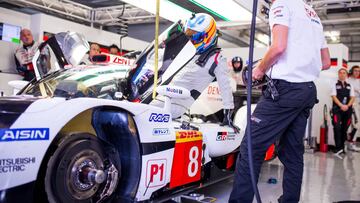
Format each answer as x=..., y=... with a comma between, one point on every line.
x=88, y=134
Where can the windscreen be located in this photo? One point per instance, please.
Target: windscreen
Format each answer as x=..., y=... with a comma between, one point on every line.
x=82, y=81
x=62, y=49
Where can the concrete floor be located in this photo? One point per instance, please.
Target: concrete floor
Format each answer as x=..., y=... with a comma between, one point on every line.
x=326, y=179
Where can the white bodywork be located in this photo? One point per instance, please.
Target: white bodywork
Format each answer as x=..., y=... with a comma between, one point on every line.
x=41, y=113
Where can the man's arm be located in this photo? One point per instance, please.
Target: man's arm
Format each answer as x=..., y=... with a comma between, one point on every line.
x=352, y=97
x=336, y=100
x=223, y=78
x=20, y=68
x=325, y=59
x=278, y=47
x=351, y=102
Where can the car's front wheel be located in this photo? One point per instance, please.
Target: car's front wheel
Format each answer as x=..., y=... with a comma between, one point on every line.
x=80, y=171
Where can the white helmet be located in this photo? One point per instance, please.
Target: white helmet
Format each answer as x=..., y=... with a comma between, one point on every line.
x=203, y=33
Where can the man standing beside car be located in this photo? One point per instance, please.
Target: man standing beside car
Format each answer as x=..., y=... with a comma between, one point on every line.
x=25, y=53
x=294, y=60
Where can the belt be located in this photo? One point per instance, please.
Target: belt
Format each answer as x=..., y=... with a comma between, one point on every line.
x=284, y=82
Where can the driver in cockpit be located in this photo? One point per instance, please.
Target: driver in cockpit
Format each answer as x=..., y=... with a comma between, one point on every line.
x=204, y=68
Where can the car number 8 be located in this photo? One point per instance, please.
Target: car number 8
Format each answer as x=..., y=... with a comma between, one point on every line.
x=193, y=166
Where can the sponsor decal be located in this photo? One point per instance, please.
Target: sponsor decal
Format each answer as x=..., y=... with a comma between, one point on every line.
x=222, y=136
x=159, y=118
x=24, y=134
x=312, y=15
x=120, y=60
x=213, y=90
x=315, y=21
x=15, y=164
x=161, y=131
x=277, y=11
x=174, y=90
x=255, y=119
x=155, y=173
x=188, y=136
x=338, y=87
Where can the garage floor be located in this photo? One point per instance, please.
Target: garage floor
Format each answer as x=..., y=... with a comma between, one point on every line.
x=326, y=179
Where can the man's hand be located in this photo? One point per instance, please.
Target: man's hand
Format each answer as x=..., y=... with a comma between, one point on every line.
x=227, y=120
x=257, y=74
x=344, y=107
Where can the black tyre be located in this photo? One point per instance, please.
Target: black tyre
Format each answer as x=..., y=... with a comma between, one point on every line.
x=66, y=177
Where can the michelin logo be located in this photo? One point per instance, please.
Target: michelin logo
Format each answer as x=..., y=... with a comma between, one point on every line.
x=24, y=134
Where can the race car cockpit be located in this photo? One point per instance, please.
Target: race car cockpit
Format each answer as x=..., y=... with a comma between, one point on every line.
x=174, y=49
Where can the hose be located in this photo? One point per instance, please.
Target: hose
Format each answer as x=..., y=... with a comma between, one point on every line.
x=156, y=45
x=248, y=100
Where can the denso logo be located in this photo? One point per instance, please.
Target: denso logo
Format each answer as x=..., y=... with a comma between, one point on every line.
x=173, y=90
x=121, y=61
x=24, y=134
x=155, y=117
x=213, y=90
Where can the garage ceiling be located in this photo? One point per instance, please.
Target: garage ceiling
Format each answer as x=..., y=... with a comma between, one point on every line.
x=340, y=17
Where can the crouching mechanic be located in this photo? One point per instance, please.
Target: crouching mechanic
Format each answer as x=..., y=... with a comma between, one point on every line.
x=204, y=68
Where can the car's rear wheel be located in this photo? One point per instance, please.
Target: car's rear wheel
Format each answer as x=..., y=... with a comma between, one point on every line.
x=80, y=171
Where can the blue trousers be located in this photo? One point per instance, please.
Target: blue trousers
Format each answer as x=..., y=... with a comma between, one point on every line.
x=283, y=120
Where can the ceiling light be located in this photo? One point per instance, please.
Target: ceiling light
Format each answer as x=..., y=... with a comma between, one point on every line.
x=168, y=10
x=333, y=35
x=227, y=9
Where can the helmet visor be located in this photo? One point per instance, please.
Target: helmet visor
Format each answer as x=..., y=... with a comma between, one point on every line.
x=194, y=36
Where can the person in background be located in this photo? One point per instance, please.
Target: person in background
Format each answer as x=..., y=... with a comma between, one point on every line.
x=94, y=49
x=235, y=68
x=25, y=53
x=343, y=97
x=354, y=81
x=113, y=49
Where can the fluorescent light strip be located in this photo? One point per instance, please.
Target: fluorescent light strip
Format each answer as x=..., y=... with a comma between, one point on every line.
x=225, y=9
x=168, y=10
x=208, y=10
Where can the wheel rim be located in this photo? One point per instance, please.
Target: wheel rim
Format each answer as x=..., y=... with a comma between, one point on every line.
x=80, y=186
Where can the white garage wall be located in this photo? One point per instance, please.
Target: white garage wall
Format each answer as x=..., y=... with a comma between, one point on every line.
x=52, y=24
x=13, y=17
x=351, y=64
